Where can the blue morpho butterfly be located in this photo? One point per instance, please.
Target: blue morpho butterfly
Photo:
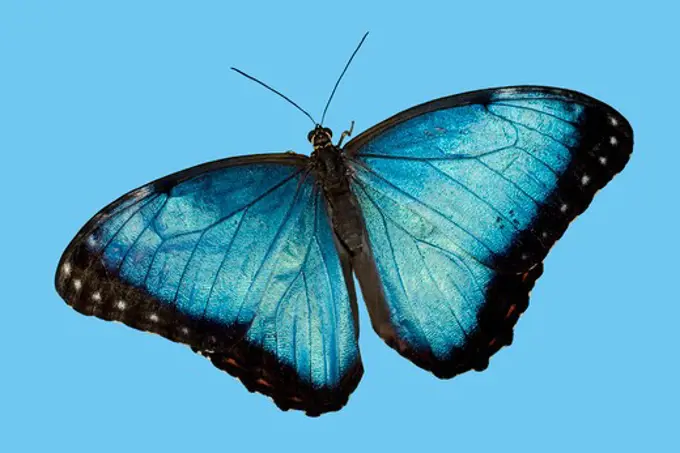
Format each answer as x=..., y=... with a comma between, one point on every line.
x=444, y=212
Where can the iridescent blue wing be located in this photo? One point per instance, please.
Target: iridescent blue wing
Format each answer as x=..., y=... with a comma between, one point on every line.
x=462, y=198
x=237, y=259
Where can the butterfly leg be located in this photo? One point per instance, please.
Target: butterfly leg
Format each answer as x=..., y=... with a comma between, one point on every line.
x=347, y=133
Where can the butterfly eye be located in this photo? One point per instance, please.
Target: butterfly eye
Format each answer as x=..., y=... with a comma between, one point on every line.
x=328, y=131
x=310, y=136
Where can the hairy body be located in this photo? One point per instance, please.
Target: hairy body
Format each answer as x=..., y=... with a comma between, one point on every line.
x=328, y=162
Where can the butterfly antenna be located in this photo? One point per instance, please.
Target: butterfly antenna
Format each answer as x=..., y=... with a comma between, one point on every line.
x=275, y=91
x=330, y=98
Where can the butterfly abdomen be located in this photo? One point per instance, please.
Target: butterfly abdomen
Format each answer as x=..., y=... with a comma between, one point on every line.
x=347, y=226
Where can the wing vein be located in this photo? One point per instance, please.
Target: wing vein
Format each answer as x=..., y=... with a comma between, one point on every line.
x=275, y=240
x=334, y=309
x=134, y=243
x=224, y=260
x=278, y=306
x=431, y=209
x=448, y=158
x=309, y=323
x=520, y=124
x=108, y=243
x=471, y=192
x=444, y=298
x=505, y=104
x=233, y=213
x=396, y=265
x=446, y=252
x=155, y=252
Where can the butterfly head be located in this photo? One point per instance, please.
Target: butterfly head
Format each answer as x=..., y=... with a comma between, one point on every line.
x=320, y=136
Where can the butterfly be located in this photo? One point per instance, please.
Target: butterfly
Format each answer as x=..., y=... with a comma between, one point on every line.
x=444, y=212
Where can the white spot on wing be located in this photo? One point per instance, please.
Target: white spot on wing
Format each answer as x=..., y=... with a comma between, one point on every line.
x=77, y=284
x=613, y=141
x=66, y=269
x=613, y=121
x=603, y=160
x=564, y=207
x=121, y=305
x=153, y=317
x=96, y=296
x=585, y=179
x=91, y=241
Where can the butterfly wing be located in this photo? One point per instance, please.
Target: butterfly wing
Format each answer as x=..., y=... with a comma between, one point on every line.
x=237, y=259
x=462, y=198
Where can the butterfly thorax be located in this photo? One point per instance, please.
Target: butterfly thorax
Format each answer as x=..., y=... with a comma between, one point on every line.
x=330, y=168
x=328, y=162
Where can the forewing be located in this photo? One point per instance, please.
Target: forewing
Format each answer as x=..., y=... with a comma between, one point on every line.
x=462, y=199
x=237, y=260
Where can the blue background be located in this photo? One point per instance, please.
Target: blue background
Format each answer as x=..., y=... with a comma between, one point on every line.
x=97, y=98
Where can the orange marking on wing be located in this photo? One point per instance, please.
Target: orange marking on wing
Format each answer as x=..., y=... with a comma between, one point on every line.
x=232, y=362
x=264, y=383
